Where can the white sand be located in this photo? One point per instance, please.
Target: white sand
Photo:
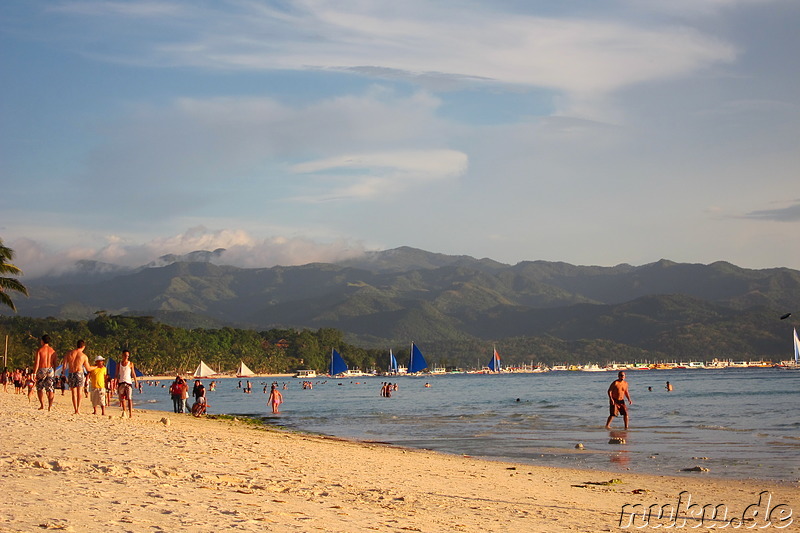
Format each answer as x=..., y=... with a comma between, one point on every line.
x=60, y=471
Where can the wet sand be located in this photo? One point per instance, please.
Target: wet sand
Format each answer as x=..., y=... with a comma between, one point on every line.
x=169, y=472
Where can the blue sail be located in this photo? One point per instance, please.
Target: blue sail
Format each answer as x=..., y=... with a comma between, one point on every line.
x=417, y=363
x=392, y=362
x=338, y=366
x=494, y=364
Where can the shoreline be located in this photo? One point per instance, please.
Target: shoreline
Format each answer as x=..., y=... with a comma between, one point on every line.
x=162, y=471
x=651, y=448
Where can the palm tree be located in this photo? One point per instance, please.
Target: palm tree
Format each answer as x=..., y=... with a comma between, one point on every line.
x=9, y=284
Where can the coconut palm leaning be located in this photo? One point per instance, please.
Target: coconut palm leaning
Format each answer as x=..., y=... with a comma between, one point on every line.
x=9, y=284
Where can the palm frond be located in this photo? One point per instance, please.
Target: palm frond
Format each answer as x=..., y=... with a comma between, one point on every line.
x=5, y=300
x=8, y=268
x=11, y=284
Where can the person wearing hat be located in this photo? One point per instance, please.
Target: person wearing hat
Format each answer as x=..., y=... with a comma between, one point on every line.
x=97, y=385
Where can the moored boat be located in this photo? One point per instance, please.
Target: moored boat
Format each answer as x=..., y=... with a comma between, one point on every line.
x=243, y=371
x=494, y=363
x=337, y=365
x=416, y=361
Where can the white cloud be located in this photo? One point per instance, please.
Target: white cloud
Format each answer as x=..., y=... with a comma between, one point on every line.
x=224, y=141
x=466, y=41
x=242, y=250
x=374, y=174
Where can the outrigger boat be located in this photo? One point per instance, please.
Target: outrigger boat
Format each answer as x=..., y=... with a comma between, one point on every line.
x=416, y=362
x=494, y=364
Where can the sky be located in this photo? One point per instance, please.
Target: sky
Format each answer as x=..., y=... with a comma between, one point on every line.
x=289, y=132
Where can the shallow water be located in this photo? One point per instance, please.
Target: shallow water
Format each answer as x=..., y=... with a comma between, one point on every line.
x=739, y=423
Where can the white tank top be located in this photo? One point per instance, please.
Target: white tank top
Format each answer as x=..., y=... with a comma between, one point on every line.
x=125, y=374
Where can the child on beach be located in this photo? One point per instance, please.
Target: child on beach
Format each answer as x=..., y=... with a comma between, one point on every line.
x=29, y=384
x=97, y=385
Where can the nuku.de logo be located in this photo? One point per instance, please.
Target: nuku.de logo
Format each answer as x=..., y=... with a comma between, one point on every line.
x=686, y=514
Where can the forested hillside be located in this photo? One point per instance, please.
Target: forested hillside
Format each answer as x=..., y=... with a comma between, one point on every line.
x=457, y=305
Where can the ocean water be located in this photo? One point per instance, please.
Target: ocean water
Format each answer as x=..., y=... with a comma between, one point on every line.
x=738, y=423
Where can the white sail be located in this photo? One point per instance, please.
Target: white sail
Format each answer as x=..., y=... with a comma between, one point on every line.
x=796, y=348
x=243, y=371
x=203, y=371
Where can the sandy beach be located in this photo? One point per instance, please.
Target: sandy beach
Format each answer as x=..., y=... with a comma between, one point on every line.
x=171, y=472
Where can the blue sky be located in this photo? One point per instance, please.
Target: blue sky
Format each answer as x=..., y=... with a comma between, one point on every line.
x=288, y=132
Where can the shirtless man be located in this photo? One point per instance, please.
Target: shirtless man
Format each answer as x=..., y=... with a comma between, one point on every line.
x=617, y=393
x=126, y=379
x=44, y=373
x=75, y=362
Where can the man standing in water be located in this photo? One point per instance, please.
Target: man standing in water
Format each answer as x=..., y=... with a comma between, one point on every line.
x=126, y=378
x=617, y=393
x=44, y=372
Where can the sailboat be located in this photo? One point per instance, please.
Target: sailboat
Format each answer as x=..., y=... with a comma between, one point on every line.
x=494, y=364
x=393, y=368
x=203, y=370
x=416, y=362
x=796, y=350
x=337, y=366
x=793, y=365
x=243, y=371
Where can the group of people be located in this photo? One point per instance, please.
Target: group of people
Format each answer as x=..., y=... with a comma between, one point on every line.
x=387, y=389
x=94, y=380
x=179, y=392
x=83, y=379
x=21, y=379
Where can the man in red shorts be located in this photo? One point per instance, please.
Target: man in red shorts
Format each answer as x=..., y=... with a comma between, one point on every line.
x=617, y=393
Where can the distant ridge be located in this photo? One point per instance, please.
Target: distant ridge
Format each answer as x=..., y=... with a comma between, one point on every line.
x=406, y=258
x=407, y=293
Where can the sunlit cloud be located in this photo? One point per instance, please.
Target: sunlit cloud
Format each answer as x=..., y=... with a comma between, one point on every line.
x=194, y=141
x=240, y=249
x=371, y=175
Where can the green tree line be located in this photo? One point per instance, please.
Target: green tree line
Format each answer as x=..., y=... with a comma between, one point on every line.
x=160, y=349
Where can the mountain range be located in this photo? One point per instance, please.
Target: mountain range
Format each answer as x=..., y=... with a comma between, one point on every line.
x=664, y=309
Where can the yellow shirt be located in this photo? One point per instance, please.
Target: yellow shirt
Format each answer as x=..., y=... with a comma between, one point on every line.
x=97, y=377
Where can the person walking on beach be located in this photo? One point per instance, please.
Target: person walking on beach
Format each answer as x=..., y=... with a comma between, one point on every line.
x=44, y=372
x=184, y=388
x=18, y=378
x=126, y=379
x=97, y=385
x=617, y=393
x=75, y=362
x=175, y=393
x=30, y=383
x=275, y=399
